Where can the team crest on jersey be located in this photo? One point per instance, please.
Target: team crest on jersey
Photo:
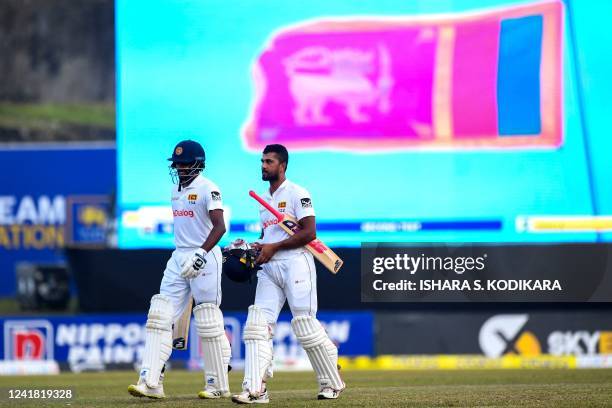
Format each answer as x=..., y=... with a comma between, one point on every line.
x=306, y=203
x=215, y=195
x=282, y=204
x=192, y=198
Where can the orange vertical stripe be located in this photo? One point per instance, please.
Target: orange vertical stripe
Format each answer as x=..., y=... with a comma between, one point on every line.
x=442, y=84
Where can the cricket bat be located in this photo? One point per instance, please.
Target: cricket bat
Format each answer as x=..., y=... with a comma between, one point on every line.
x=317, y=248
x=180, y=330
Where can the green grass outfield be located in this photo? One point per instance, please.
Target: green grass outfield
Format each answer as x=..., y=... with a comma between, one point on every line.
x=510, y=388
x=45, y=116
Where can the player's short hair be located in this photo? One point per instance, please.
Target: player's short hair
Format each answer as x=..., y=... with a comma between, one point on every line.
x=280, y=150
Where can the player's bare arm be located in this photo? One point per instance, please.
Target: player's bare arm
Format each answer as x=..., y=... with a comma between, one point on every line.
x=307, y=233
x=217, y=231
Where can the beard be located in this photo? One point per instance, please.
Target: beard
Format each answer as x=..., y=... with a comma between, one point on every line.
x=269, y=176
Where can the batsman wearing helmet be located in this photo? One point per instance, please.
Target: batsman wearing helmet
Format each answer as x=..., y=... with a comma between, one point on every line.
x=288, y=273
x=193, y=270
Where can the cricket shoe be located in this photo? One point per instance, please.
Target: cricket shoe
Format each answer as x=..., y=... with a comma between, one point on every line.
x=246, y=398
x=143, y=390
x=329, y=393
x=214, y=394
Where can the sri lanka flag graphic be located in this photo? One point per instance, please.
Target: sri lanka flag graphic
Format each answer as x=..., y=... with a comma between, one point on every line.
x=487, y=79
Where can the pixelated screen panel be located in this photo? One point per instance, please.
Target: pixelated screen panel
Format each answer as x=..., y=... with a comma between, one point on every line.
x=407, y=121
x=366, y=84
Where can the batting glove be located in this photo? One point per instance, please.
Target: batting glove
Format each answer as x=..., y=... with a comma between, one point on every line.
x=192, y=268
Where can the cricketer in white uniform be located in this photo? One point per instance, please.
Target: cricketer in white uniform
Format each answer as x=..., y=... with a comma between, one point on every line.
x=288, y=273
x=193, y=270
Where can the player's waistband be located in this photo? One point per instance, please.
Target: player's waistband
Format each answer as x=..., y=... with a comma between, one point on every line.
x=189, y=249
x=284, y=254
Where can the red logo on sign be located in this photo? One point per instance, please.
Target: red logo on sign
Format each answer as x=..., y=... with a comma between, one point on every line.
x=28, y=340
x=28, y=345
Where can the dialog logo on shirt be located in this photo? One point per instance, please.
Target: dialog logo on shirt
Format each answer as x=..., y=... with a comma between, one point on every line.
x=272, y=221
x=183, y=213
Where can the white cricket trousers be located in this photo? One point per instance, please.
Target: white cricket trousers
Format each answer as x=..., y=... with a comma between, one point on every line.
x=293, y=279
x=205, y=288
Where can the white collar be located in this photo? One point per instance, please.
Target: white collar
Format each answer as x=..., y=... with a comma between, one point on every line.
x=283, y=185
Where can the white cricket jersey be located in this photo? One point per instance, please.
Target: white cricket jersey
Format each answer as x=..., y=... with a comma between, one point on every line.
x=190, y=208
x=289, y=199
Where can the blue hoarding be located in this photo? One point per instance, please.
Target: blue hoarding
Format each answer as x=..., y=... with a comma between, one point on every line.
x=36, y=185
x=95, y=342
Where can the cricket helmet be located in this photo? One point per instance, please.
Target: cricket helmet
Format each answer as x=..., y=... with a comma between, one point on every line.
x=239, y=261
x=187, y=152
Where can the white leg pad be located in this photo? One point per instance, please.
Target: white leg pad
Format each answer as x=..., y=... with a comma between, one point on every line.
x=258, y=359
x=158, y=340
x=227, y=351
x=209, y=323
x=322, y=353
